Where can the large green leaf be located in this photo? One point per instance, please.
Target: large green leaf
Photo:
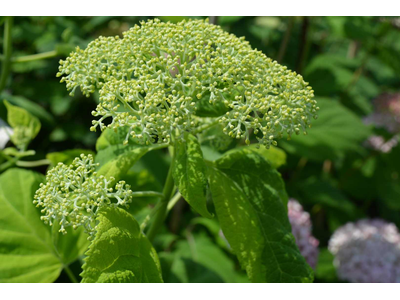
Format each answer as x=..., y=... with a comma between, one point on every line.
x=27, y=252
x=336, y=131
x=250, y=201
x=120, y=252
x=189, y=173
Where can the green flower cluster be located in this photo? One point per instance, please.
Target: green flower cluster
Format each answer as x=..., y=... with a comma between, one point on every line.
x=153, y=78
x=74, y=194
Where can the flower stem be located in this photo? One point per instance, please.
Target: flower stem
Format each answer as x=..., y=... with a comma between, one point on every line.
x=7, y=49
x=161, y=207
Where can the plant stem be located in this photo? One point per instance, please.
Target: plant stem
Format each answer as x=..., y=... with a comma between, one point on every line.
x=33, y=57
x=8, y=164
x=285, y=41
x=7, y=49
x=31, y=164
x=173, y=201
x=146, y=194
x=70, y=274
x=161, y=208
x=206, y=126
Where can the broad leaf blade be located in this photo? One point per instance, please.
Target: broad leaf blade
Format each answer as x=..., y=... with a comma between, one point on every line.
x=120, y=252
x=27, y=253
x=250, y=201
x=337, y=131
x=189, y=172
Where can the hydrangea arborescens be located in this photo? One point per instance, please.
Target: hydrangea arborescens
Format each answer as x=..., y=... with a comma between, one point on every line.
x=74, y=194
x=155, y=77
x=367, y=251
x=301, y=229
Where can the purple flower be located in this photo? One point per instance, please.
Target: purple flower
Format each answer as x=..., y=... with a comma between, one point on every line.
x=301, y=229
x=367, y=251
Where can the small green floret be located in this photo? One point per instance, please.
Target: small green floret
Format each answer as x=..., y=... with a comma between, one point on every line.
x=151, y=80
x=74, y=194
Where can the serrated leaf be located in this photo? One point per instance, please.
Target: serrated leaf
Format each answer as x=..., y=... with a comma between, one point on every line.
x=250, y=201
x=119, y=251
x=27, y=252
x=336, y=131
x=189, y=172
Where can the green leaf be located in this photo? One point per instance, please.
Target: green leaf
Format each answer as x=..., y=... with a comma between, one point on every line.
x=116, y=159
x=189, y=172
x=27, y=252
x=337, y=131
x=119, y=252
x=198, y=259
x=250, y=201
x=275, y=156
x=25, y=126
x=32, y=107
x=325, y=270
x=67, y=156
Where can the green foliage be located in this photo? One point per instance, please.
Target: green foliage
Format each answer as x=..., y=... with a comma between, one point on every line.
x=189, y=172
x=25, y=126
x=115, y=158
x=28, y=253
x=120, y=252
x=198, y=260
x=336, y=132
x=250, y=201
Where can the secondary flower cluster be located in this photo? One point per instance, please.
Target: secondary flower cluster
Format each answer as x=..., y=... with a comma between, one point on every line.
x=74, y=194
x=155, y=77
x=301, y=229
x=367, y=251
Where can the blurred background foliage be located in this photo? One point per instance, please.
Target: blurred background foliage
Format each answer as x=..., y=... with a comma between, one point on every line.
x=348, y=61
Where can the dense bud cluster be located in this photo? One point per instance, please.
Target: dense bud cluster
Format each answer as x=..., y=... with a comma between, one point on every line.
x=386, y=112
x=153, y=78
x=74, y=194
x=367, y=251
x=301, y=229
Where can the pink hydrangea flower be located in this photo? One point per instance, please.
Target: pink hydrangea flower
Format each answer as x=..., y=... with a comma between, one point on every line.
x=301, y=229
x=367, y=251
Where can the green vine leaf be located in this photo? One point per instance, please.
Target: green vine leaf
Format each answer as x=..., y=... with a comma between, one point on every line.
x=120, y=252
x=250, y=201
x=189, y=172
x=27, y=252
